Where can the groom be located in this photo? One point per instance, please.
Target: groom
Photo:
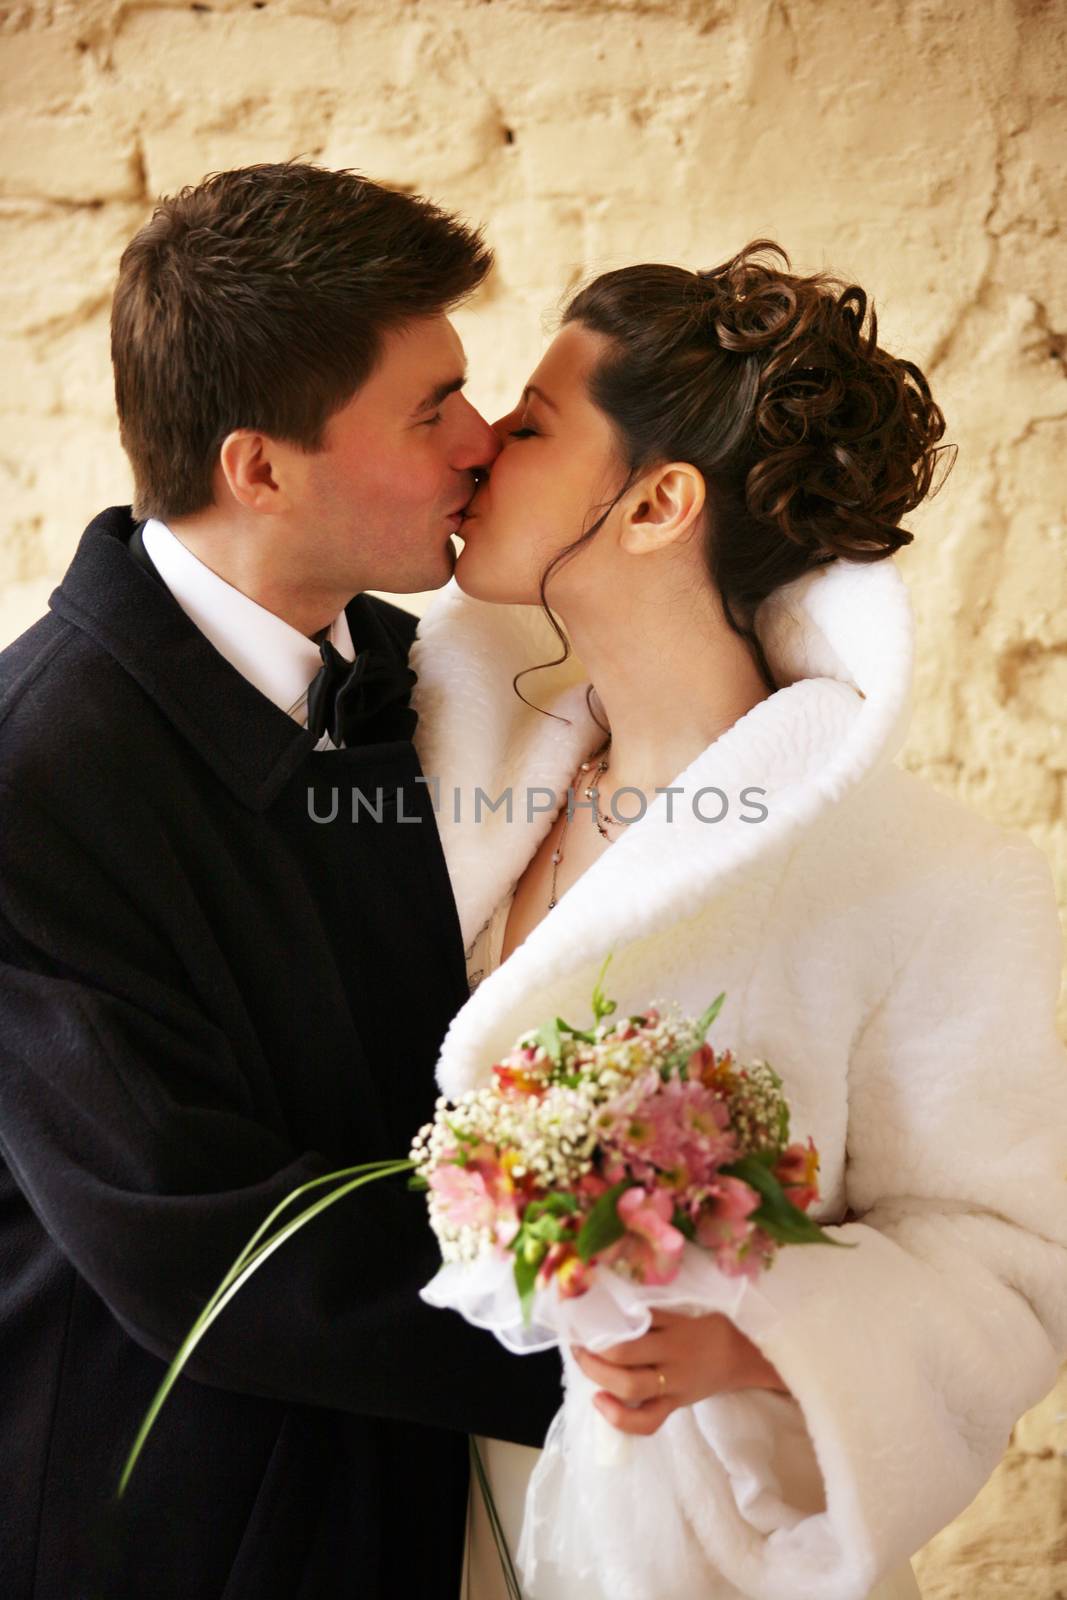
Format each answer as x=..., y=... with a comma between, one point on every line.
x=208, y=994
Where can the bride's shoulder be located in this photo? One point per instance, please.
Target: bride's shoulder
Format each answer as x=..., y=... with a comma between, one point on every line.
x=911, y=832
x=905, y=877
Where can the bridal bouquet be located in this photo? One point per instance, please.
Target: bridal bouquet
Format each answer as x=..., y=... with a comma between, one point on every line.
x=602, y=1151
x=601, y=1173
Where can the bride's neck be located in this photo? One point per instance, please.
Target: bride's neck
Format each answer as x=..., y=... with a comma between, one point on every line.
x=668, y=680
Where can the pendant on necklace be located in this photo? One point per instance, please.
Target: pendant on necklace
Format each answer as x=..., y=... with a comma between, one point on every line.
x=590, y=794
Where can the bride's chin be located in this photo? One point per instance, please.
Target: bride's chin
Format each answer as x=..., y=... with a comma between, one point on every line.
x=478, y=584
x=472, y=589
x=465, y=573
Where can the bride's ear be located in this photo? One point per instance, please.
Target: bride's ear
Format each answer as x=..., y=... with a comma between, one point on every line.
x=663, y=506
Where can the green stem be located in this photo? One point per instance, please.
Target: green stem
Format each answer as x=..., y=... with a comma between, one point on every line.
x=511, y=1579
x=315, y=1183
x=239, y=1273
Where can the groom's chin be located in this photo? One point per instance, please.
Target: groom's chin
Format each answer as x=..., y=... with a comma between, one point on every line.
x=426, y=579
x=450, y=561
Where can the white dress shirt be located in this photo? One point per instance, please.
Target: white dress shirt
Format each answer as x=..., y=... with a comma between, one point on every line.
x=275, y=657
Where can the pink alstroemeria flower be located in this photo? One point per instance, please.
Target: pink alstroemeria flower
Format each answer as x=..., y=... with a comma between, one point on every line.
x=478, y=1195
x=522, y=1070
x=674, y=1132
x=726, y=1211
x=724, y=1227
x=796, y=1171
x=571, y=1273
x=651, y=1246
x=462, y=1196
x=748, y=1259
x=590, y=1186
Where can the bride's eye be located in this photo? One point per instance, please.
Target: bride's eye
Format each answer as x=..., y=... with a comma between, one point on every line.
x=522, y=433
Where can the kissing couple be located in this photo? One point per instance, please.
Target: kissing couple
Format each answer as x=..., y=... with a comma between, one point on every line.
x=677, y=577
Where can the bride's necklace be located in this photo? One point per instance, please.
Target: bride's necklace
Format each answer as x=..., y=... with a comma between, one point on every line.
x=602, y=821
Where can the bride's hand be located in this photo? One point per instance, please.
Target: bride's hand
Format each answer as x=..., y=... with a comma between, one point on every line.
x=697, y=1356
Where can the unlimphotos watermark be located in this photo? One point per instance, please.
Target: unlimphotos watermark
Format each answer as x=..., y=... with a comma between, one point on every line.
x=709, y=804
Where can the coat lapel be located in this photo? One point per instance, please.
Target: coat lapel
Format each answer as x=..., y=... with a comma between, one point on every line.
x=114, y=594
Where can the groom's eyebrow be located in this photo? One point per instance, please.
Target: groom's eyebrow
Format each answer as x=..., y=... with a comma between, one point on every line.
x=439, y=393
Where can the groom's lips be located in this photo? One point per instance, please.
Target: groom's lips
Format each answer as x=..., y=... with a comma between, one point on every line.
x=460, y=514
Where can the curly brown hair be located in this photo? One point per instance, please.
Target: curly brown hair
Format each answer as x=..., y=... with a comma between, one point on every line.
x=813, y=441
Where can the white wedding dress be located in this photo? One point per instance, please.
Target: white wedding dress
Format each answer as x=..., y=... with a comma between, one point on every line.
x=509, y=1466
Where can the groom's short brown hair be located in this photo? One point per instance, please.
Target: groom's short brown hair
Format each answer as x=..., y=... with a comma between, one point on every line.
x=258, y=299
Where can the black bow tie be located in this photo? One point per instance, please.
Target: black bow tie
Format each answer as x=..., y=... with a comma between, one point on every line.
x=361, y=701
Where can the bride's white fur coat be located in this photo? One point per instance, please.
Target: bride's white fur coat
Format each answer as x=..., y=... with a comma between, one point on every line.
x=896, y=958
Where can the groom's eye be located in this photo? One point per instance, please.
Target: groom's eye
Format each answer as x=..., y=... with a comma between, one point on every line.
x=431, y=421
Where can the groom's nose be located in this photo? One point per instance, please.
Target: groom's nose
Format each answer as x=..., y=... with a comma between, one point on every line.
x=480, y=445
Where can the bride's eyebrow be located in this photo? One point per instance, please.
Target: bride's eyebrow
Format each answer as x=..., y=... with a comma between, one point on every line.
x=532, y=389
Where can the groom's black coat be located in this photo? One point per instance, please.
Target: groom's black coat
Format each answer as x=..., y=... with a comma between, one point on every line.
x=207, y=998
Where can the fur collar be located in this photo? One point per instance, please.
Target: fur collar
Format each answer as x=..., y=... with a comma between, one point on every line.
x=840, y=642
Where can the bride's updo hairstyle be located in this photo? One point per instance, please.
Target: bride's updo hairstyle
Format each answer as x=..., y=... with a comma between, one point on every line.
x=812, y=441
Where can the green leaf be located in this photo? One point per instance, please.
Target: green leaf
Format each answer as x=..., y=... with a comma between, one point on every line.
x=755, y=1170
x=684, y=1223
x=548, y=1037
x=526, y=1271
x=777, y=1215
x=418, y=1183
x=602, y=1226
x=549, y=1230
x=576, y=1033
x=708, y=1017
x=760, y=1158
x=251, y=1258
x=556, y=1204
x=602, y=1006
x=795, y=1228
x=511, y=1580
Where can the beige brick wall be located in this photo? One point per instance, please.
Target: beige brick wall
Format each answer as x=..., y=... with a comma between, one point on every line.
x=919, y=146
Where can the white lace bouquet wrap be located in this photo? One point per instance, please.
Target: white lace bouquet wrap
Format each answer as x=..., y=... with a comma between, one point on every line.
x=600, y=1175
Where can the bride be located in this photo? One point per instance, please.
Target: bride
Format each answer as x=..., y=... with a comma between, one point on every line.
x=703, y=480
